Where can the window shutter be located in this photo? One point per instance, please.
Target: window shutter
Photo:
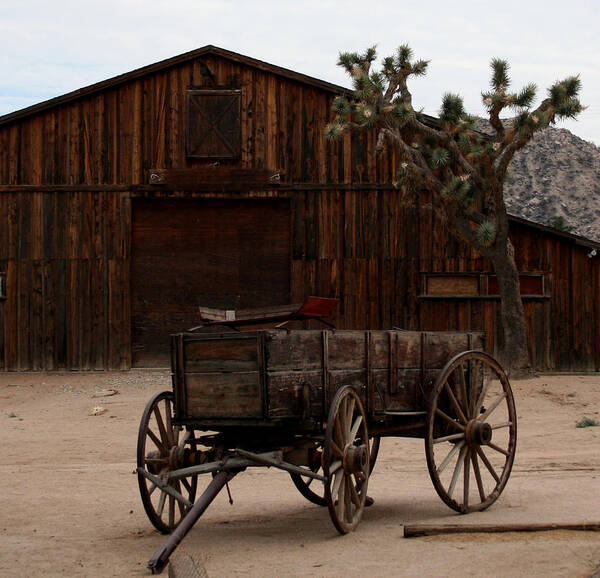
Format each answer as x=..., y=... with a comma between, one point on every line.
x=213, y=124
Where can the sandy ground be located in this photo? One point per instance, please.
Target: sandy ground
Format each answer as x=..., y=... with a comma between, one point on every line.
x=70, y=506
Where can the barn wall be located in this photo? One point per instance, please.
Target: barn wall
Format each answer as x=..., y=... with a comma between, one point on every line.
x=66, y=253
x=66, y=259
x=118, y=135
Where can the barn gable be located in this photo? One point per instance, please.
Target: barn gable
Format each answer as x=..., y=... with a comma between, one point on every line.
x=128, y=203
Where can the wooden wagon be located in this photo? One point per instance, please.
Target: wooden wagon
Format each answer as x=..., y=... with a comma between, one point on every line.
x=316, y=403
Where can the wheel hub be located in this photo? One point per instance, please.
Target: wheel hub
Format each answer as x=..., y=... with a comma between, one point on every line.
x=355, y=458
x=478, y=433
x=176, y=457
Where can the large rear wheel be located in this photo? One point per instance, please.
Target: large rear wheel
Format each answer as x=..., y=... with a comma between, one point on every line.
x=471, y=434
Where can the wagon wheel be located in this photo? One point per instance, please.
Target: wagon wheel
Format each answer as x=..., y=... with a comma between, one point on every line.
x=346, y=460
x=162, y=448
x=471, y=432
x=312, y=490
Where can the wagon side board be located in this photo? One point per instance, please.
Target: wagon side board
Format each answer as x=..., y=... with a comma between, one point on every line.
x=271, y=376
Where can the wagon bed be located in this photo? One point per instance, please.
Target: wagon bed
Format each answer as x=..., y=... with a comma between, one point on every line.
x=276, y=376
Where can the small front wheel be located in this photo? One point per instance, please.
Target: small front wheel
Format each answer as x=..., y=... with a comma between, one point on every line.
x=312, y=490
x=346, y=460
x=161, y=449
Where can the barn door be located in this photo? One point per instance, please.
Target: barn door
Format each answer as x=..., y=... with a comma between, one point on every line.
x=219, y=253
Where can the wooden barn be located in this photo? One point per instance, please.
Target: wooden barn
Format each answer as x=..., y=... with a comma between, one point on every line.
x=206, y=179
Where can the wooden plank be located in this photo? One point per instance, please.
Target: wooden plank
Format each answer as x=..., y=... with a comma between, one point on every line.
x=223, y=395
x=227, y=355
x=214, y=178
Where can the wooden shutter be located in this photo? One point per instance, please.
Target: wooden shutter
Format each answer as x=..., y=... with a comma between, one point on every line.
x=213, y=124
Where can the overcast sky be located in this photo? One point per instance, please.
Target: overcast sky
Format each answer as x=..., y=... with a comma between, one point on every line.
x=50, y=48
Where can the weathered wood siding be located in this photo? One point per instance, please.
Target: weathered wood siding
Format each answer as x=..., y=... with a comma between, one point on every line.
x=117, y=136
x=66, y=259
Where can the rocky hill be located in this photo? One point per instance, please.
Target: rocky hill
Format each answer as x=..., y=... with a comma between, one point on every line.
x=557, y=175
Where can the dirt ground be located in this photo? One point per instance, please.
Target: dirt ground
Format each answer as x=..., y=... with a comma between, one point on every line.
x=70, y=505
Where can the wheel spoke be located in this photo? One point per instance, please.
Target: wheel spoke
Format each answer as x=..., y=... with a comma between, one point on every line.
x=348, y=500
x=339, y=431
x=463, y=390
x=187, y=485
x=466, y=480
x=355, y=426
x=337, y=480
x=502, y=425
x=492, y=407
x=335, y=467
x=498, y=449
x=457, y=470
x=487, y=464
x=449, y=419
x=349, y=413
x=336, y=449
x=449, y=457
x=458, y=436
x=481, y=398
x=153, y=487
x=341, y=495
x=180, y=504
x=161, y=428
x=169, y=424
x=161, y=504
x=354, y=493
x=171, y=511
x=478, y=476
x=159, y=444
x=455, y=403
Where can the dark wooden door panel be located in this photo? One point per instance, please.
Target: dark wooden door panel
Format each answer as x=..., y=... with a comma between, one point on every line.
x=219, y=253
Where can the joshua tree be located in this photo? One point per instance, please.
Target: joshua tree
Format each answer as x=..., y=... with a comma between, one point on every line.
x=462, y=169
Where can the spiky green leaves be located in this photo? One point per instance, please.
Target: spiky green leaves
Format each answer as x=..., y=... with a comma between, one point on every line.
x=525, y=98
x=440, y=157
x=419, y=68
x=348, y=60
x=486, y=233
x=500, y=80
x=341, y=106
x=365, y=114
x=334, y=130
x=564, y=97
x=403, y=56
x=459, y=189
x=452, y=109
x=402, y=112
x=351, y=60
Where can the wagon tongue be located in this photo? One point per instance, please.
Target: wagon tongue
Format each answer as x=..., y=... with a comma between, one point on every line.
x=160, y=559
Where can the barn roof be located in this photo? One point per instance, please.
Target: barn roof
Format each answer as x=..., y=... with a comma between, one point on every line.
x=166, y=64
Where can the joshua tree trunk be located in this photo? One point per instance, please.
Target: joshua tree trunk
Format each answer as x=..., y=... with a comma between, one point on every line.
x=513, y=352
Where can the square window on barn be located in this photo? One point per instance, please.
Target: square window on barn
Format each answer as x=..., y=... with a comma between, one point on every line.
x=213, y=127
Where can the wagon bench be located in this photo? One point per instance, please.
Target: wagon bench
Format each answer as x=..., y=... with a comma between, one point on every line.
x=316, y=403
